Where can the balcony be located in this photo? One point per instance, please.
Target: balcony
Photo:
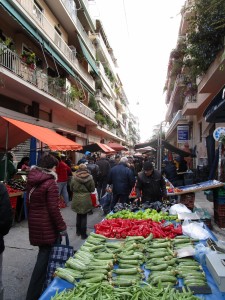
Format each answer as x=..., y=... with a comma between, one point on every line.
x=107, y=85
x=106, y=106
x=46, y=27
x=213, y=80
x=178, y=119
x=179, y=83
x=186, y=13
x=72, y=13
x=190, y=105
x=38, y=78
x=105, y=52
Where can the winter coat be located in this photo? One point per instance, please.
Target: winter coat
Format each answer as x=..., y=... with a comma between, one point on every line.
x=63, y=171
x=170, y=172
x=104, y=167
x=94, y=170
x=6, y=215
x=122, y=178
x=44, y=217
x=82, y=185
x=11, y=170
x=151, y=188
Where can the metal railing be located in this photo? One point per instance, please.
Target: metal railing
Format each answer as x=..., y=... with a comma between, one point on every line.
x=45, y=25
x=11, y=61
x=178, y=116
x=190, y=99
x=79, y=26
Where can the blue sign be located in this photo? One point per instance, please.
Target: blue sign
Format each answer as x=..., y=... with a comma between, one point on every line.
x=182, y=133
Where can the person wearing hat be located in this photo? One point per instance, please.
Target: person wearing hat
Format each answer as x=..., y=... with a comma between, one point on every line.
x=84, y=159
x=10, y=169
x=150, y=185
x=82, y=185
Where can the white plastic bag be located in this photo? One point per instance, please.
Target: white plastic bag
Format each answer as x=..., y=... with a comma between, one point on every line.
x=178, y=208
x=195, y=230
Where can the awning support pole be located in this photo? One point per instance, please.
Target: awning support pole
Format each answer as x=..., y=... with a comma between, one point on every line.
x=6, y=151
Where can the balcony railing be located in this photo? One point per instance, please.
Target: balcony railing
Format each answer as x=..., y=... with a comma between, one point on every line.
x=55, y=38
x=190, y=99
x=11, y=61
x=176, y=118
x=79, y=26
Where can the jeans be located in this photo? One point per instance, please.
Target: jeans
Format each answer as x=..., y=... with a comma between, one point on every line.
x=101, y=187
x=63, y=191
x=39, y=273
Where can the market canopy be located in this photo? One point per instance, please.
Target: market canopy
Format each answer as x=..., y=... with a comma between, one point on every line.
x=96, y=147
x=14, y=132
x=166, y=145
x=116, y=146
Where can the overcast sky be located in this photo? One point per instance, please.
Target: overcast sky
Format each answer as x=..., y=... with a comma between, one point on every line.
x=142, y=33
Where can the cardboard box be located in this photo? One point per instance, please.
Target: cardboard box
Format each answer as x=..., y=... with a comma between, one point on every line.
x=215, y=263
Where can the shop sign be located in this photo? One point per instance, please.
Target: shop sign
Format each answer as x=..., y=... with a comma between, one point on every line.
x=218, y=132
x=182, y=133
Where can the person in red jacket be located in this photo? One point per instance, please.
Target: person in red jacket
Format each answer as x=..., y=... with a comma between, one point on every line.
x=45, y=222
x=63, y=171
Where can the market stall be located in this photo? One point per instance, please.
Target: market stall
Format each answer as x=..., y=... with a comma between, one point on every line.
x=123, y=265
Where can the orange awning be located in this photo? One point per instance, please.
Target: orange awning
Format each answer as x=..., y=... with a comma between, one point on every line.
x=19, y=131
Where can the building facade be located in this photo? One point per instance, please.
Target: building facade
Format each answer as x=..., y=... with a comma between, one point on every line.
x=58, y=70
x=195, y=78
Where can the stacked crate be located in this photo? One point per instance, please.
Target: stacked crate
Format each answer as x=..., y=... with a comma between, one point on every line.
x=188, y=200
x=219, y=206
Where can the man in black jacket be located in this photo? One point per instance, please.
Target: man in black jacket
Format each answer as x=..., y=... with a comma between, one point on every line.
x=150, y=185
x=122, y=179
x=104, y=168
x=6, y=218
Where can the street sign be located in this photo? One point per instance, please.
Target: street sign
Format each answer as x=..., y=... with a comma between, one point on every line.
x=182, y=133
x=218, y=132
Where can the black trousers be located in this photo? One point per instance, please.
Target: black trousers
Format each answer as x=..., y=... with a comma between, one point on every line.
x=81, y=224
x=39, y=274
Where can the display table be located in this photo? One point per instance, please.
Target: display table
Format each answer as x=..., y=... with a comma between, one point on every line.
x=202, y=186
x=59, y=284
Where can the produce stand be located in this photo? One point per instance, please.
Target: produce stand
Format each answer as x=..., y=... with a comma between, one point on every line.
x=202, y=186
x=59, y=284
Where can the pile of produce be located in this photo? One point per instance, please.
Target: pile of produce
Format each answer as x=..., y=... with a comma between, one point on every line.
x=17, y=183
x=119, y=270
x=142, y=215
x=121, y=228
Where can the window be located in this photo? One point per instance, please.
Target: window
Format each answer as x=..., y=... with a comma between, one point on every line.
x=38, y=11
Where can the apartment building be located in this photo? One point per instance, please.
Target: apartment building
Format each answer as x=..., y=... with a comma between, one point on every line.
x=195, y=82
x=57, y=70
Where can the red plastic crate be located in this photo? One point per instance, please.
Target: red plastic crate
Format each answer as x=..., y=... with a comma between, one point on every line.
x=13, y=201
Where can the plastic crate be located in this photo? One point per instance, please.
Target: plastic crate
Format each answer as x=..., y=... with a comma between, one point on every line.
x=13, y=201
x=219, y=220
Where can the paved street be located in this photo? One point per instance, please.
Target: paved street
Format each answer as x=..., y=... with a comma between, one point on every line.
x=19, y=256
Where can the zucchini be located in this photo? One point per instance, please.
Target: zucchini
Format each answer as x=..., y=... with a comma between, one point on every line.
x=161, y=267
x=97, y=236
x=126, y=271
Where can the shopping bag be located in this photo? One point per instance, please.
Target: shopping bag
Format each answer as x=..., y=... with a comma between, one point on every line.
x=94, y=198
x=59, y=254
x=105, y=202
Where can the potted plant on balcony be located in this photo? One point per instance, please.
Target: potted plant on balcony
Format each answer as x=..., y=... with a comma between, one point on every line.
x=76, y=93
x=29, y=58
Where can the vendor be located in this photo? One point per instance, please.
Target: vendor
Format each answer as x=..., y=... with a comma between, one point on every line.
x=150, y=185
x=23, y=165
x=10, y=169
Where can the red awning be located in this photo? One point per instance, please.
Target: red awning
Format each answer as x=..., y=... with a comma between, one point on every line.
x=117, y=147
x=98, y=147
x=19, y=131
